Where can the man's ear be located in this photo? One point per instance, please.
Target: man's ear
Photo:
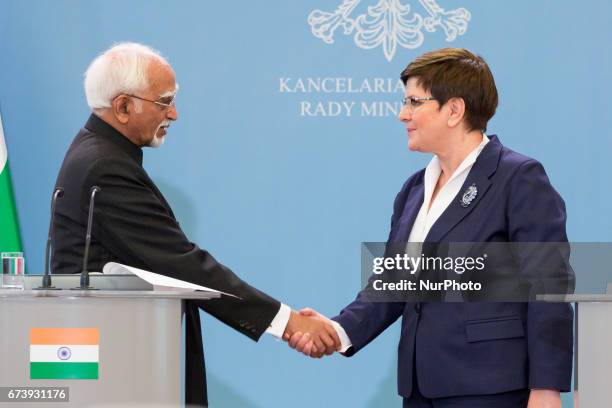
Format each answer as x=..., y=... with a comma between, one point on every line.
x=122, y=108
x=456, y=108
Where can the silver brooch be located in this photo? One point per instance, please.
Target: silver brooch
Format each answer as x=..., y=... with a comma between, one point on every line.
x=469, y=195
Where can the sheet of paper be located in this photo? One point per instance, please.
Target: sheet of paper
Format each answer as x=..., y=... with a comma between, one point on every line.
x=159, y=282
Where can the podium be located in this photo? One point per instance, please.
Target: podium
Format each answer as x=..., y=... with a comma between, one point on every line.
x=592, y=348
x=132, y=331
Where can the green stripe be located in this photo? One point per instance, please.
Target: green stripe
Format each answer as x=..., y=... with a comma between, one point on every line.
x=64, y=371
x=10, y=239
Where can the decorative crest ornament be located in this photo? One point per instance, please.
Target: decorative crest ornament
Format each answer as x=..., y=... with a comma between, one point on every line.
x=469, y=195
x=389, y=24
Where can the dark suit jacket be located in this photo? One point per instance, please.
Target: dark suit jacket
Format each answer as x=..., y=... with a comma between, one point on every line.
x=134, y=225
x=477, y=348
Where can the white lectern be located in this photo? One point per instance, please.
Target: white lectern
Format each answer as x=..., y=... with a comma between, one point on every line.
x=126, y=342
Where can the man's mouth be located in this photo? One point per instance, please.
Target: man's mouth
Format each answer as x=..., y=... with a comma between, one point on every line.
x=163, y=129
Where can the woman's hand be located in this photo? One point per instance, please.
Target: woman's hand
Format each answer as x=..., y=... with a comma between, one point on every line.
x=544, y=399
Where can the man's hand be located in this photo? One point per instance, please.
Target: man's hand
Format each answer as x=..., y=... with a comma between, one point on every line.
x=544, y=399
x=311, y=333
x=304, y=342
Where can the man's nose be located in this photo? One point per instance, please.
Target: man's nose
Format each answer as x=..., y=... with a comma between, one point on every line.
x=172, y=113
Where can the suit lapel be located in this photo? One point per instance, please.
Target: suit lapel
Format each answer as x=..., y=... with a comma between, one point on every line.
x=479, y=176
x=411, y=210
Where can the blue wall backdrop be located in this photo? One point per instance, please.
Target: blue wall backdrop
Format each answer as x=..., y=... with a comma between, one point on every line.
x=281, y=189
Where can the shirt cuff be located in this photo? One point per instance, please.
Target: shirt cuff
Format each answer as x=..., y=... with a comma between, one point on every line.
x=345, y=342
x=279, y=323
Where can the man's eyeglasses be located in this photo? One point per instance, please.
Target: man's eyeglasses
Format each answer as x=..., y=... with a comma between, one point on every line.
x=166, y=102
x=412, y=102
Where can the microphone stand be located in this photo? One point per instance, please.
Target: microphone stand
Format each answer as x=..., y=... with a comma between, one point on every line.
x=46, y=280
x=84, y=273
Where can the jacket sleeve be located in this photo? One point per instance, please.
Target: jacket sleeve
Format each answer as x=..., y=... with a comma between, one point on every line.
x=537, y=215
x=132, y=221
x=363, y=320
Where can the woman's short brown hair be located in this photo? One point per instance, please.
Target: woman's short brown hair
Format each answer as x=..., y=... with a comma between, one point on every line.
x=457, y=73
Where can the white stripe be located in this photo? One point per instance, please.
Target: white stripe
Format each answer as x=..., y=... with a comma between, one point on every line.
x=78, y=353
x=3, y=153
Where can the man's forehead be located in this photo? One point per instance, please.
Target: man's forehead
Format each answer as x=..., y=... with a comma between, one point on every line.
x=161, y=78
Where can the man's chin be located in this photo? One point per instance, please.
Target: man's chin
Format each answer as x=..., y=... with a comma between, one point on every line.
x=156, y=141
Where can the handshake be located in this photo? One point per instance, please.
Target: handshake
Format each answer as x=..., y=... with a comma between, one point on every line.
x=311, y=333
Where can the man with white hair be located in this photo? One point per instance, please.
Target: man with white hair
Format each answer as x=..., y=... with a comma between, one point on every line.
x=131, y=90
x=128, y=75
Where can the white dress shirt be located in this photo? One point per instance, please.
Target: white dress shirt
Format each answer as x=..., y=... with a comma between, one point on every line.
x=428, y=215
x=279, y=323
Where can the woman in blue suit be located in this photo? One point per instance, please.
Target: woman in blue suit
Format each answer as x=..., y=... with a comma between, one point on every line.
x=473, y=190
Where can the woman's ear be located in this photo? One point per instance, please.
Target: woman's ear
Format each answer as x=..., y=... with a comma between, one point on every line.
x=456, y=108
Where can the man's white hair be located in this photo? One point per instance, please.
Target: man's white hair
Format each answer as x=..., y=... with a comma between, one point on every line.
x=123, y=68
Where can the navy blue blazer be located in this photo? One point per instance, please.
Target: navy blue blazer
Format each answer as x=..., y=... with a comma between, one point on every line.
x=477, y=348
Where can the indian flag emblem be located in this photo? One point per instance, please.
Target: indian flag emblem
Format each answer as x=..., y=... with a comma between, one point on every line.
x=64, y=353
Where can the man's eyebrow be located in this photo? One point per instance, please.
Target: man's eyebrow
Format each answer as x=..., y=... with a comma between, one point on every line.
x=170, y=93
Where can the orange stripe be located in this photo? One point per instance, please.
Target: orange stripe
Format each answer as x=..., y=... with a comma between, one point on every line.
x=68, y=335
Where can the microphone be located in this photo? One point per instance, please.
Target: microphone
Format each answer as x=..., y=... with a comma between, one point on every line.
x=46, y=280
x=84, y=273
